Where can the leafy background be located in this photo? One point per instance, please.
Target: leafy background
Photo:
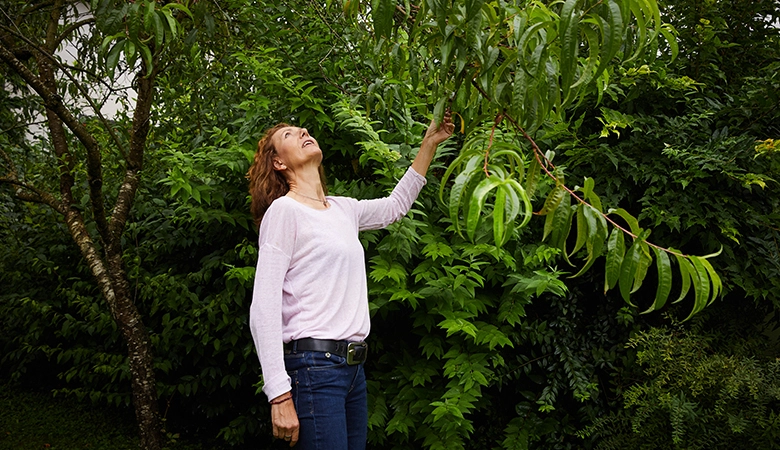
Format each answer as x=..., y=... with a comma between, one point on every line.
x=480, y=338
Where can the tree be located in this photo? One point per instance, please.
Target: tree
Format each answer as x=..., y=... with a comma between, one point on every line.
x=93, y=204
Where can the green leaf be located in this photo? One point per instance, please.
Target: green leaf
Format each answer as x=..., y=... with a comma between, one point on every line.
x=148, y=16
x=553, y=199
x=167, y=8
x=173, y=26
x=612, y=35
x=477, y=202
x=641, y=269
x=717, y=286
x=159, y=31
x=568, y=31
x=597, y=234
x=582, y=230
x=701, y=286
x=456, y=193
x=383, y=18
x=108, y=39
x=533, y=177
x=629, y=268
x=130, y=53
x=686, y=271
x=438, y=110
x=664, y=280
x=499, y=227
x=667, y=32
x=146, y=56
x=523, y=196
x=616, y=249
x=560, y=226
x=113, y=56
x=633, y=224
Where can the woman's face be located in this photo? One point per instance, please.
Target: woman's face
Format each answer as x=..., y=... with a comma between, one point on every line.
x=296, y=148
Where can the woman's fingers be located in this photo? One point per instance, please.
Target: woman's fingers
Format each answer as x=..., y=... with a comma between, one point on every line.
x=285, y=422
x=294, y=438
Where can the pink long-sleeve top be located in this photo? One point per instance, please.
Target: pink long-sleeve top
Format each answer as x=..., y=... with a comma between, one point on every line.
x=311, y=273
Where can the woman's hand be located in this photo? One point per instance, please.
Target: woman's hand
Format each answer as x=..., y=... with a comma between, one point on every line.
x=285, y=420
x=438, y=133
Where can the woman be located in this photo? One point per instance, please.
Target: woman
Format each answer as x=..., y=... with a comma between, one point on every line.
x=309, y=315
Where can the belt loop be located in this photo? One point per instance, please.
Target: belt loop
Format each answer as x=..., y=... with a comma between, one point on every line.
x=294, y=346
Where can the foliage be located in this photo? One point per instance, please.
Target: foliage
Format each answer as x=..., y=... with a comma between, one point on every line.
x=522, y=64
x=699, y=392
x=480, y=336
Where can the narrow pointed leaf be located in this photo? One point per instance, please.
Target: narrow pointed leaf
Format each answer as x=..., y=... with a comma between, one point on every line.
x=456, y=194
x=552, y=222
x=628, y=269
x=533, y=177
x=597, y=234
x=582, y=230
x=553, y=200
x=701, y=286
x=569, y=34
x=641, y=269
x=477, y=202
x=671, y=40
x=498, y=216
x=633, y=224
x=523, y=197
x=686, y=271
x=717, y=286
x=616, y=249
x=664, y=280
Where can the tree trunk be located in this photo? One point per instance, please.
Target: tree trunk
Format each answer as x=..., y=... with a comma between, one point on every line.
x=114, y=285
x=107, y=268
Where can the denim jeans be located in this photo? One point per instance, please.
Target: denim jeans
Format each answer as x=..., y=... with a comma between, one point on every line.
x=330, y=399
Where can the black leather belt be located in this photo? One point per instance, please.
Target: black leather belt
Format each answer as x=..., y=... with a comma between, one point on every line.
x=355, y=352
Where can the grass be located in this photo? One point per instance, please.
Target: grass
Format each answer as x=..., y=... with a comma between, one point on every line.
x=38, y=420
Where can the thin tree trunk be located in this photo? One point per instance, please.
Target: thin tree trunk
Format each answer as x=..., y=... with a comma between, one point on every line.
x=107, y=268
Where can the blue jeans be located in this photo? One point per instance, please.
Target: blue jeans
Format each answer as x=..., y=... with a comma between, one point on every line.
x=330, y=399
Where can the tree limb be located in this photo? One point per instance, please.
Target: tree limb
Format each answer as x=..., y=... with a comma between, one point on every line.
x=32, y=194
x=71, y=28
x=53, y=102
x=78, y=85
x=139, y=133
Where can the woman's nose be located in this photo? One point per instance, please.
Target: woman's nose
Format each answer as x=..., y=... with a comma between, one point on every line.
x=304, y=132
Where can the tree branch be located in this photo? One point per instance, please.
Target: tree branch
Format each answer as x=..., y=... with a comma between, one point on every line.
x=70, y=29
x=53, y=102
x=140, y=131
x=34, y=195
x=78, y=85
x=547, y=163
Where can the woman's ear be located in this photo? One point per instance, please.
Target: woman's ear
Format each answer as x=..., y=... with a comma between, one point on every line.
x=279, y=165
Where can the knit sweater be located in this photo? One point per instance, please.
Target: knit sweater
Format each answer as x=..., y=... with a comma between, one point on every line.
x=311, y=273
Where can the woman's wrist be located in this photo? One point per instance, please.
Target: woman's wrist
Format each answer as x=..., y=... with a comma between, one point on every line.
x=281, y=399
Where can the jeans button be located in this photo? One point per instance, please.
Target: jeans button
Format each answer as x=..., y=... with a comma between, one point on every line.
x=327, y=355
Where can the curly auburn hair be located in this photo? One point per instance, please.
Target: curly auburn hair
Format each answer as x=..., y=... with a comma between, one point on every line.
x=265, y=183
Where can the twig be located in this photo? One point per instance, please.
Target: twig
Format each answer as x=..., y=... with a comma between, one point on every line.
x=497, y=122
x=539, y=154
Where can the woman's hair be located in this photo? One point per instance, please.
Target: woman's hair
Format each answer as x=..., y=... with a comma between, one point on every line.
x=265, y=183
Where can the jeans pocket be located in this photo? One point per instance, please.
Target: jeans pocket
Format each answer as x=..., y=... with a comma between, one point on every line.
x=325, y=361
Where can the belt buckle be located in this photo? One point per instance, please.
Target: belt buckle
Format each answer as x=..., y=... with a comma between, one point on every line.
x=356, y=353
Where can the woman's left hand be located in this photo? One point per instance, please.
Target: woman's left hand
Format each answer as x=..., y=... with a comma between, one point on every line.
x=440, y=132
